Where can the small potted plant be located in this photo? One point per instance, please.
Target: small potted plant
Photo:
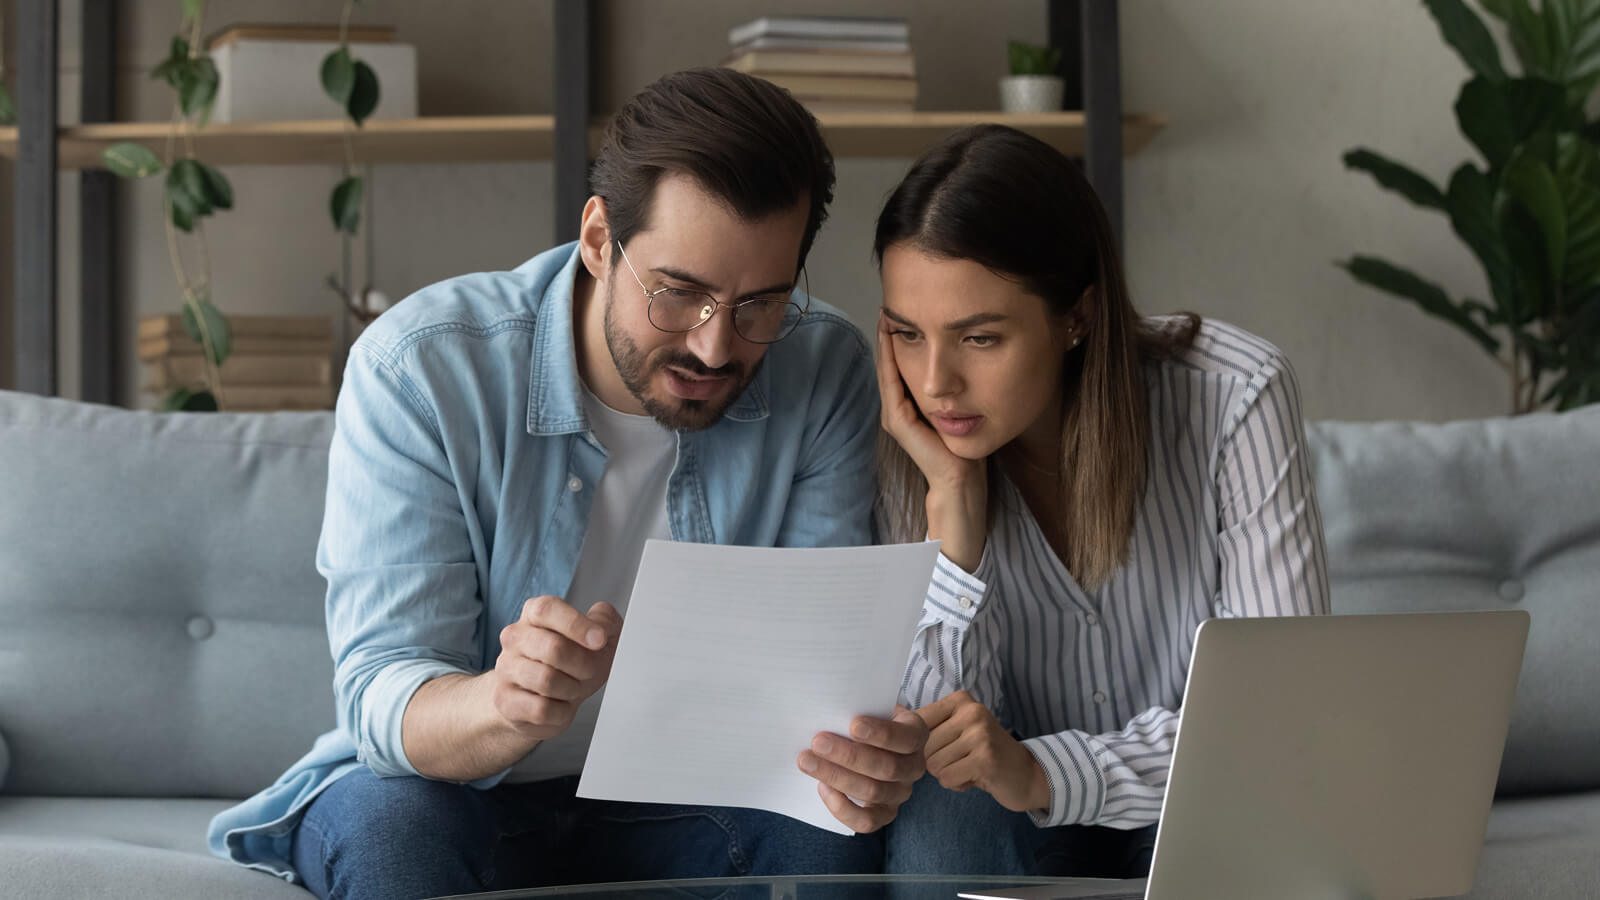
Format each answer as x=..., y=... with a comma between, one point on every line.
x=1033, y=85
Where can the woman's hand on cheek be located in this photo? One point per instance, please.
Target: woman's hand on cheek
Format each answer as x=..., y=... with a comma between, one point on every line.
x=957, y=502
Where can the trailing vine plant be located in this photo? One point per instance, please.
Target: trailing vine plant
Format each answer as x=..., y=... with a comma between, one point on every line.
x=193, y=192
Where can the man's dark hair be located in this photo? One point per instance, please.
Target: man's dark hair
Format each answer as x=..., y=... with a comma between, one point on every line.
x=745, y=140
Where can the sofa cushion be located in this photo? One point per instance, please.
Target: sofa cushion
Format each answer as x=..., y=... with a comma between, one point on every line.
x=1489, y=514
x=162, y=613
x=126, y=848
x=1541, y=847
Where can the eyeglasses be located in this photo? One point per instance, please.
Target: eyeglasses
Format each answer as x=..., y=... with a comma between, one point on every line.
x=759, y=320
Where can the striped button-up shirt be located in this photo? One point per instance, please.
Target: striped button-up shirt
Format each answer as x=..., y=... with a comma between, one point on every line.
x=1093, y=681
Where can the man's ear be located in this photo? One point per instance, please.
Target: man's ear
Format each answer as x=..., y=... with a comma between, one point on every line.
x=594, y=238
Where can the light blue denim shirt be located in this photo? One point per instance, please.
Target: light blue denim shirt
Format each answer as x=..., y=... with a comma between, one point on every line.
x=459, y=484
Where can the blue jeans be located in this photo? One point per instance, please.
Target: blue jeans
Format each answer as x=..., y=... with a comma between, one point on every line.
x=397, y=838
x=944, y=832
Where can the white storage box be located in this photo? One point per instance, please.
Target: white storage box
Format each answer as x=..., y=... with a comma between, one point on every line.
x=278, y=80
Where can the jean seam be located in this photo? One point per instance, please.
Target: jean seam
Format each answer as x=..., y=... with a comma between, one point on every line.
x=736, y=856
x=306, y=825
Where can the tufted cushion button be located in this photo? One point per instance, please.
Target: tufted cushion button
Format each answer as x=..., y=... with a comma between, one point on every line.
x=1511, y=590
x=201, y=628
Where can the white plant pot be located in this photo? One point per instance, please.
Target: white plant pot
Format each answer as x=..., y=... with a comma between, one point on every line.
x=1031, y=93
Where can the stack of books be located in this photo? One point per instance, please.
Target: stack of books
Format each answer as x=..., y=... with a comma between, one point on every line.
x=831, y=65
x=277, y=362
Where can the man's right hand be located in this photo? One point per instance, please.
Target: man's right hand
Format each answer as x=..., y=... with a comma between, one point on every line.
x=551, y=660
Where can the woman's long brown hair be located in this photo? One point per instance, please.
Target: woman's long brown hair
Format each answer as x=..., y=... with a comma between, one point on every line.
x=1015, y=205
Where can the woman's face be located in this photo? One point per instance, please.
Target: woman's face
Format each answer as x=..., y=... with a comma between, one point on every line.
x=980, y=356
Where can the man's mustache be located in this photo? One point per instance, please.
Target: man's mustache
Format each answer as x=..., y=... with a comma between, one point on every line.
x=691, y=364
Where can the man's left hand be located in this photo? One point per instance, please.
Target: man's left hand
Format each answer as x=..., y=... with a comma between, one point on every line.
x=876, y=765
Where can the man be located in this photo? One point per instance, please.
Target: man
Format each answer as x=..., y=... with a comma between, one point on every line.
x=505, y=444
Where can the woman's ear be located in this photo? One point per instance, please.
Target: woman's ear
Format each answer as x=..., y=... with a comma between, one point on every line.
x=1080, y=315
x=594, y=238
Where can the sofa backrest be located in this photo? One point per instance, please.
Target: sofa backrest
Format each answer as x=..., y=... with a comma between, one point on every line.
x=161, y=616
x=1487, y=514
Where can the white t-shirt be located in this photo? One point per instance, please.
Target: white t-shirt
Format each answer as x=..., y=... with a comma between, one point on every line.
x=630, y=507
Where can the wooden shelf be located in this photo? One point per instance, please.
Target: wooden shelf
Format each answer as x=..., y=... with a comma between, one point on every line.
x=487, y=138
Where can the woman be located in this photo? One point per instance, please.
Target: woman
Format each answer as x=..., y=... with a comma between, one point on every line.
x=1101, y=483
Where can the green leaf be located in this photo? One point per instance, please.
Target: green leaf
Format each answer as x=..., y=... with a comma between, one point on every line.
x=200, y=401
x=171, y=69
x=221, y=336
x=1532, y=183
x=187, y=178
x=1535, y=291
x=1470, y=199
x=1500, y=9
x=175, y=400
x=8, y=110
x=194, y=9
x=1529, y=39
x=346, y=205
x=219, y=193
x=364, y=96
x=1578, y=180
x=187, y=194
x=1464, y=31
x=1496, y=116
x=1396, y=177
x=130, y=160
x=1403, y=283
x=339, y=75
x=197, y=87
x=1030, y=59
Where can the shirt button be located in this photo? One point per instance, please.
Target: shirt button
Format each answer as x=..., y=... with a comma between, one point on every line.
x=964, y=601
x=1099, y=696
x=200, y=628
x=1091, y=618
x=574, y=484
x=1511, y=590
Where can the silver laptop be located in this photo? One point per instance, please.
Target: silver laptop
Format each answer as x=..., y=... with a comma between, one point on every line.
x=1337, y=757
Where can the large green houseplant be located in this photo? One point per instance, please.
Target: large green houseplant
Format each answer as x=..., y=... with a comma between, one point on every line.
x=1529, y=209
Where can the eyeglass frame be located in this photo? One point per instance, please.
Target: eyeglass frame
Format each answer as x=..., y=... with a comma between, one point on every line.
x=717, y=305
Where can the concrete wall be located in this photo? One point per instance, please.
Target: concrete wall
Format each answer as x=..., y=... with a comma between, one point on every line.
x=1237, y=210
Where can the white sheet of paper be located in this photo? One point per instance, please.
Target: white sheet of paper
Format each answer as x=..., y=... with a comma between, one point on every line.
x=732, y=658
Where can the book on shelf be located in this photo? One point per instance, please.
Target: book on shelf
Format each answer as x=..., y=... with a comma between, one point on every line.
x=170, y=372
x=824, y=62
x=170, y=345
x=837, y=28
x=827, y=44
x=845, y=87
x=300, y=327
x=261, y=398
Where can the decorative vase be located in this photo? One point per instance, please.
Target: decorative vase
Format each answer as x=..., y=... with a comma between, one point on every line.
x=1031, y=93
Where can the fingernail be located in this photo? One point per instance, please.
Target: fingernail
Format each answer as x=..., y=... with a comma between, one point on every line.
x=824, y=745
x=808, y=762
x=861, y=730
x=597, y=638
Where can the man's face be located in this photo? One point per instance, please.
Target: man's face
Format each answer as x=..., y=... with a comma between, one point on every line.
x=692, y=241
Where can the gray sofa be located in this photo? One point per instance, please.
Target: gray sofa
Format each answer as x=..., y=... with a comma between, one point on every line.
x=162, y=647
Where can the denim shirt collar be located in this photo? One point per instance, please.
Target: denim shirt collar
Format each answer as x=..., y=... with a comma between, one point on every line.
x=555, y=399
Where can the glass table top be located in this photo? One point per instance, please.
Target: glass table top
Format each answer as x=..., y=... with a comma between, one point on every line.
x=835, y=887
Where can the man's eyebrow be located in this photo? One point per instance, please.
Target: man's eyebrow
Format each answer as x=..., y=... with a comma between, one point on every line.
x=703, y=284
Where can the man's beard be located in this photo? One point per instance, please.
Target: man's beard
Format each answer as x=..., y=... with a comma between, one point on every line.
x=680, y=414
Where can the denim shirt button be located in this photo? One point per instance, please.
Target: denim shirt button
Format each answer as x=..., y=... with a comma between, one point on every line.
x=574, y=484
x=1511, y=590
